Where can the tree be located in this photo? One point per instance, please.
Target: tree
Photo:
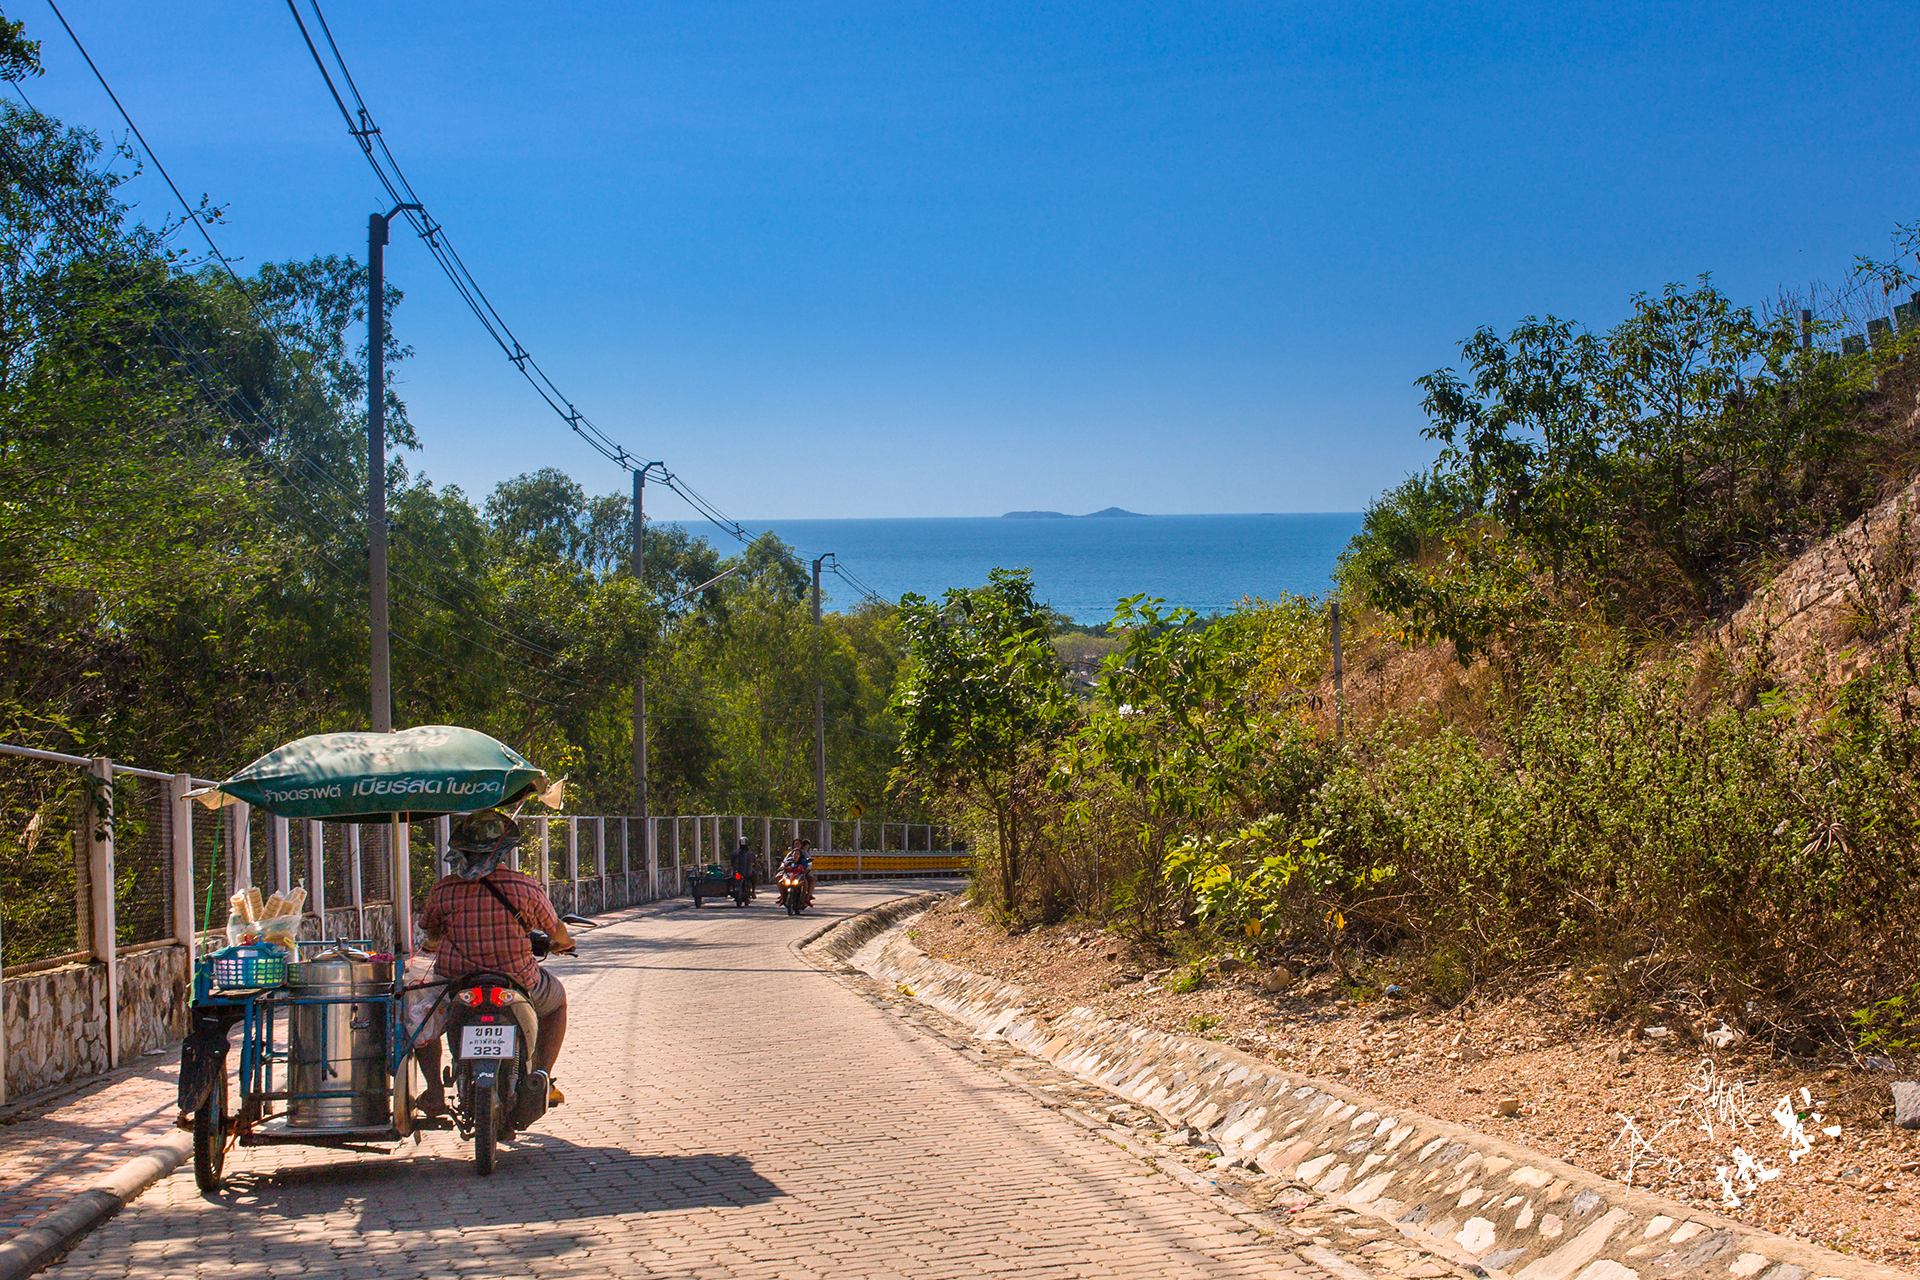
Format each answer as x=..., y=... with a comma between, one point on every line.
x=980, y=702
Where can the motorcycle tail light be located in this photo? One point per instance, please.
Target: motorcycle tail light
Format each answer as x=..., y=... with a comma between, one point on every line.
x=471, y=996
x=504, y=995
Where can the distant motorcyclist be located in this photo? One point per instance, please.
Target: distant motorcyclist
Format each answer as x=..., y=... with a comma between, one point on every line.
x=800, y=858
x=481, y=918
x=743, y=860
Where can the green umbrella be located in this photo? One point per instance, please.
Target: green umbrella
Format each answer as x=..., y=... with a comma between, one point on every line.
x=367, y=777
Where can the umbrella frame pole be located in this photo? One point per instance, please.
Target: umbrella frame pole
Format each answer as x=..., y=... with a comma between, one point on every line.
x=401, y=878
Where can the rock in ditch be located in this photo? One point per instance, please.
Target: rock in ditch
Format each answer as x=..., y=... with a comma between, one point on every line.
x=1507, y=1107
x=1906, y=1104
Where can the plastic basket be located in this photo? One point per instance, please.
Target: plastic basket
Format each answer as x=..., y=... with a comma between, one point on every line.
x=249, y=966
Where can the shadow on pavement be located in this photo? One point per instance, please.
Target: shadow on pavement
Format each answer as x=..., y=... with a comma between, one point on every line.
x=542, y=1180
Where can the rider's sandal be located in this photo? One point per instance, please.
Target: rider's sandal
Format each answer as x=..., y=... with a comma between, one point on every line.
x=554, y=1096
x=430, y=1106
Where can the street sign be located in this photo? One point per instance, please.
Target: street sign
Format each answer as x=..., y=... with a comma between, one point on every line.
x=858, y=809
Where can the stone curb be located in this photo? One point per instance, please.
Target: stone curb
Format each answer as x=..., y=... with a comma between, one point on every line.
x=56, y=1232
x=1505, y=1211
x=850, y=933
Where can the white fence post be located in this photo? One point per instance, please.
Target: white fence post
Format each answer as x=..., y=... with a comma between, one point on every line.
x=100, y=873
x=546, y=879
x=442, y=841
x=180, y=812
x=400, y=854
x=676, y=857
x=626, y=860
x=240, y=848
x=600, y=857
x=649, y=835
x=573, y=862
x=317, y=874
x=355, y=886
x=282, y=856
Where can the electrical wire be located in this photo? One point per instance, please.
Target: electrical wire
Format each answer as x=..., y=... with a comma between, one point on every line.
x=394, y=180
x=373, y=145
x=199, y=223
x=204, y=372
x=198, y=367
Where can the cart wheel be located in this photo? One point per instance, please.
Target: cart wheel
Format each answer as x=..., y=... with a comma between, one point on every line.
x=210, y=1138
x=486, y=1130
x=696, y=902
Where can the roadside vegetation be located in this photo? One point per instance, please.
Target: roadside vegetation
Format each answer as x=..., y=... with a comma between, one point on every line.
x=183, y=551
x=1557, y=756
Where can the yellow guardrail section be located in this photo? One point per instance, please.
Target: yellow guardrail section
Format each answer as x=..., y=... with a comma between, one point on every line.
x=892, y=862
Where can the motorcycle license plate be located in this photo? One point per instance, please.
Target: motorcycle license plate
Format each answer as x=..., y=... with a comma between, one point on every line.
x=488, y=1041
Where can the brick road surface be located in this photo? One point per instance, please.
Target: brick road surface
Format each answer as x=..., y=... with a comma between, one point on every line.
x=60, y=1141
x=732, y=1111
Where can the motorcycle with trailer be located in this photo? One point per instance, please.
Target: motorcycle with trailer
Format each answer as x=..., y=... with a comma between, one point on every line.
x=326, y=1044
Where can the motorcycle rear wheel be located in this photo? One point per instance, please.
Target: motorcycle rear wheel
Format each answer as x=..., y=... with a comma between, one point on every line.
x=486, y=1130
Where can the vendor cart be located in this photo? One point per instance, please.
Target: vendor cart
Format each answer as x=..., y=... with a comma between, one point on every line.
x=716, y=881
x=325, y=1046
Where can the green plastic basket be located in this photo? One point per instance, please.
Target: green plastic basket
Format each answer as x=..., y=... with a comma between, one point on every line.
x=249, y=966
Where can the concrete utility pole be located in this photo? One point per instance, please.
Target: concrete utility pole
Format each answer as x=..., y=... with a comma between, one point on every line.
x=380, y=686
x=822, y=834
x=640, y=676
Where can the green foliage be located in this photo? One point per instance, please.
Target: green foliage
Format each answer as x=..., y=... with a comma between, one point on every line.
x=183, y=542
x=979, y=702
x=1891, y=1025
x=19, y=56
x=1643, y=471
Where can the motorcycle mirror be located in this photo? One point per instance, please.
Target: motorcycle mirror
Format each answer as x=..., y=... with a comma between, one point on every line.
x=571, y=921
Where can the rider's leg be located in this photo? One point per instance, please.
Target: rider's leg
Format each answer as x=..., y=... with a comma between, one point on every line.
x=427, y=1053
x=550, y=1003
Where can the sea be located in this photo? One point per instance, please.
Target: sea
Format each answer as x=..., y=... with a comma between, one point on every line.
x=1082, y=565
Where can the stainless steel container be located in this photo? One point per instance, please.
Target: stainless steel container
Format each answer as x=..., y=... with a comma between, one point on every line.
x=338, y=1050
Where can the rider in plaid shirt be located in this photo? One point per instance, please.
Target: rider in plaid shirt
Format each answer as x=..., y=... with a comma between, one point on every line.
x=468, y=930
x=475, y=932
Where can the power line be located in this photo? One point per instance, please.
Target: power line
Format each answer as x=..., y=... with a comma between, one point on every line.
x=267, y=328
x=394, y=180
x=373, y=145
x=203, y=373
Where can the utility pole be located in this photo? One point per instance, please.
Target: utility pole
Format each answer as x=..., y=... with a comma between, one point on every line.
x=822, y=834
x=380, y=685
x=640, y=676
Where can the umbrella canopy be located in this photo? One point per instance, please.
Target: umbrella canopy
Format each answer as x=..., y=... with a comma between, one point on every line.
x=368, y=777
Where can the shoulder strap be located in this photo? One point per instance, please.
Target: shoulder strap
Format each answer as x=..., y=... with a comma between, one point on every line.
x=512, y=910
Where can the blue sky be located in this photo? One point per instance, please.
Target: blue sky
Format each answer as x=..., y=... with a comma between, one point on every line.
x=886, y=260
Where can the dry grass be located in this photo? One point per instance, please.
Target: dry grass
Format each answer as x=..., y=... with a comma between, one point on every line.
x=1579, y=1081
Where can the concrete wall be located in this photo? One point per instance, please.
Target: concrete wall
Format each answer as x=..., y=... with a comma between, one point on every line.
x=56, y=1026
x=155, y=988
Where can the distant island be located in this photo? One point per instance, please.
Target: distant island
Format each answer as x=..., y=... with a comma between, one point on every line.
x=1061, y=515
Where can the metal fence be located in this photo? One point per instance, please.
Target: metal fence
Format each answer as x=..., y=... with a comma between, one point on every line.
x=111, y=880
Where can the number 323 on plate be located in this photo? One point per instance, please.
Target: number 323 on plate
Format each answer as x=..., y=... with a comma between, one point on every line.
x=488, y=1041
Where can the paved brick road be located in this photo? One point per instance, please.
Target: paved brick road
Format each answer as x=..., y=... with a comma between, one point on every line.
x=732, y=1112
x=56, y=1143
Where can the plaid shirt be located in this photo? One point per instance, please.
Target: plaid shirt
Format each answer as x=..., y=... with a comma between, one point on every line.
x=476, y=932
